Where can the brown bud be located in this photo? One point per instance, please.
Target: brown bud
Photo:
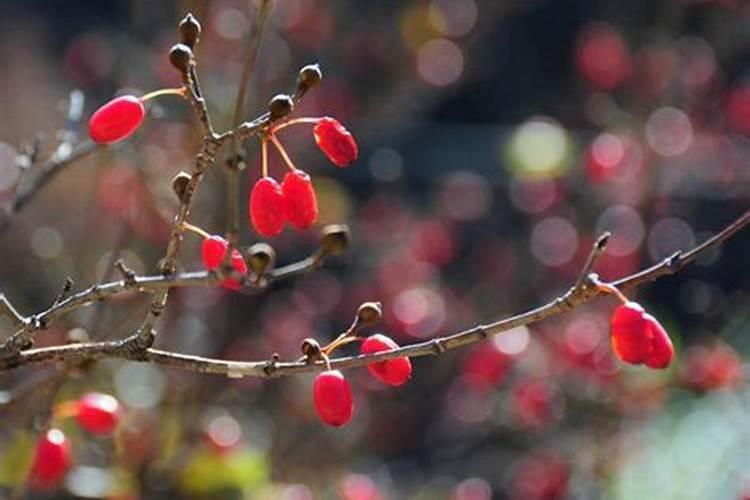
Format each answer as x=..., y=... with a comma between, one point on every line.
x=369, y=312
x=180, y=183
x=279, y=106
x=190, y=30
x=308, y=77
x=180, y=55
x=310, y=348
x=261, y=258
x=334, y=239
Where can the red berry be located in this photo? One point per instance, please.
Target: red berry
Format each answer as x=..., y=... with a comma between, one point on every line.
x=336, y=142
x=116, y=120
x=266, y=207
x=212, y=252
x=300, y=203
x=638, y=337
x=393, y=371
x=98, y=413
x=333, y=398
x=51, y=459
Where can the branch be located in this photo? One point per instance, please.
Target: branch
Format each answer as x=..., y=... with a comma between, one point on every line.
x=576, y=296
x=66, y=302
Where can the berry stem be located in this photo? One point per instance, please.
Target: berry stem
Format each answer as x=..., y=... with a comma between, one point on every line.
x=611, y=289
x=293, y=121
x=180, y=91
x=264, y=158
x=342, y=340
x=327, y=360
x=195, y=229
x=283, y=152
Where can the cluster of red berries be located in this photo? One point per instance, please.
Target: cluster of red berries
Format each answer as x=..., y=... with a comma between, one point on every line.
x=638, y=338
x=271, y=204
x=94, y=412
x=213, y=250
x=332, y=393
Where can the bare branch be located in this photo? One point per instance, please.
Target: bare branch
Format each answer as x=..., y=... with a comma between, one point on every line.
x=573, y=298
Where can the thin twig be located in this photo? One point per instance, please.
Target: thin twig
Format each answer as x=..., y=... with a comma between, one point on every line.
x=573, y=298
x=596, y=251
x=234, y=159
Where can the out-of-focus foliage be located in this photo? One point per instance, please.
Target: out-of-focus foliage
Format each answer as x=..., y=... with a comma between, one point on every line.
x=497, y=139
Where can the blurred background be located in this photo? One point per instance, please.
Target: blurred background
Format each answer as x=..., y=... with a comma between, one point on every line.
x=497, y=139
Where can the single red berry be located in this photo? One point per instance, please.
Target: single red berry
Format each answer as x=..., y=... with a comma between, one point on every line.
x=266, y=207
x=98, y=413
x=393, y=371
x=336, y=142
x=638, y=337
x=630, y=335
x=333, y=398
x=213, y=250
x=300, y=202
x=51, y=459
x=116, y=120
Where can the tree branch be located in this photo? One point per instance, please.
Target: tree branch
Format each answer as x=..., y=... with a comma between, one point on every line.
x=576, y=296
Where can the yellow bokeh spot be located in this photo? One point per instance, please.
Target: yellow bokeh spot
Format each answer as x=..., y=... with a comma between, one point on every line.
x=417, y=26
x=539, y=148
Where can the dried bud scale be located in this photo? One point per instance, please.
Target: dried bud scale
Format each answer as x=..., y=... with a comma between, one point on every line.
x=261, y=258
x=180, y=55
x=190, y=30
x=280, y=106
x=334, y=239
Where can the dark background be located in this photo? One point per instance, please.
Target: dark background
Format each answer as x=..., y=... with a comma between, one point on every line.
x=482, y=180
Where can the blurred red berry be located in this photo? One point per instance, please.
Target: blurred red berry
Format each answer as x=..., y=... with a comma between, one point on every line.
x=602, y=57
x=393, y=372
x=300, y=202
x=543, y=477
x=487, y=363
x=213, y=250
x=51, y=459
x=98, y=413
x=336, y=142
x=712, y=368
x=116, y=120
x=533, y=403
x=638, y=338
x=266, y=207
x=333, y=398
x=359, y=487
x=738, y=109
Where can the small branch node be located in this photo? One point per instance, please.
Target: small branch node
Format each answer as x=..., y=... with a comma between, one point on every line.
x=438, y=346
x=127, y=273
x=271, y=365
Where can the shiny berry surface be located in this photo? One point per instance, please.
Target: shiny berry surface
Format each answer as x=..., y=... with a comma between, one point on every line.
x=638, y=338
x=213, y=250
x=300, y=202
x=98, y=413
x=116, y=120
x=662, y=350
x=336, y=142
x=51, y=459
x=266, y=207
x=393, y=371
x=332, y=396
